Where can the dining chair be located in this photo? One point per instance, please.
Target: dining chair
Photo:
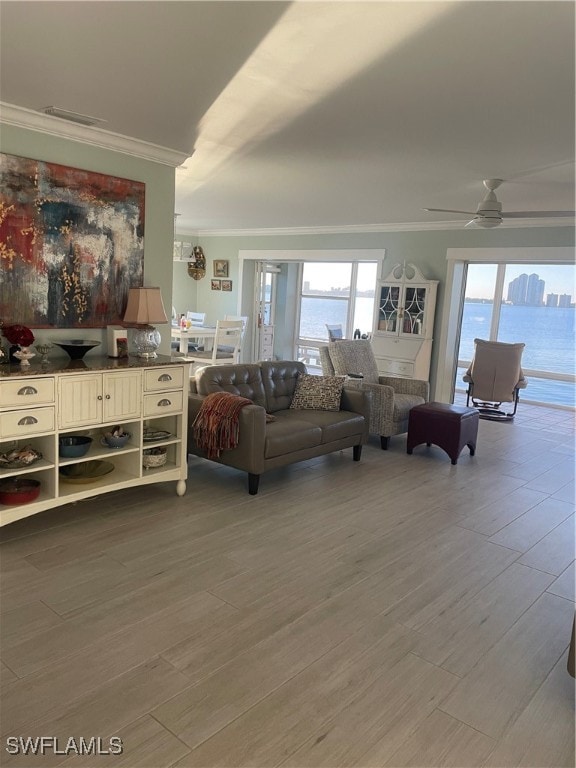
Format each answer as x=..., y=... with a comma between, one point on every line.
x=226, y=347
x=334, y=332
x=196, y=318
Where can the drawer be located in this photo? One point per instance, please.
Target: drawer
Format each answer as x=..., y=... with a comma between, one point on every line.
x=25, y=392
x=27, y=421
x=396, y=368
x=163, y=402
x=163, y=378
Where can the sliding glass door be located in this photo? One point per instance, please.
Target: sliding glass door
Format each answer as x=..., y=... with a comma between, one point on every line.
x=530, y=303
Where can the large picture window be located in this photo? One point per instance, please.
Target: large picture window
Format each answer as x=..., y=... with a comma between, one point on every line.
x=335, y=294
x=529, y=303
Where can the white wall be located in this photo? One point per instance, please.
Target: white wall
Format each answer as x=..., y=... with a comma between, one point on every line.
x=426, y=249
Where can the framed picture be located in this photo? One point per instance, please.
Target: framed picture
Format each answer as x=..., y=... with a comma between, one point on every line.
x=216, y=285
x=220, y=269
x=71, y=244
x=226, y=285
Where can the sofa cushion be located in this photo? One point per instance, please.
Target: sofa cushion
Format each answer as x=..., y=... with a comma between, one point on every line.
x=287, y=434
x=318, y=393
x=243, y=380
x=279, y=380
x=335, y=426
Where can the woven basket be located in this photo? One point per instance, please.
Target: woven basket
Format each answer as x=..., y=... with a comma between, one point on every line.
x=154, y=457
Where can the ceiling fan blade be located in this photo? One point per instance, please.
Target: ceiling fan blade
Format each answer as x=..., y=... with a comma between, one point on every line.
x=449, y=210
x=536, y=214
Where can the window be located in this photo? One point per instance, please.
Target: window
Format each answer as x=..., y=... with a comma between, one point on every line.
x=334, y=293
x=530, y=303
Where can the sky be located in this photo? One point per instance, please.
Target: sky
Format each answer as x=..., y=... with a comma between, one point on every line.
x=558, y=278
x=481, y=277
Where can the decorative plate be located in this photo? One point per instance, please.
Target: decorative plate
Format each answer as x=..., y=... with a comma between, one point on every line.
x=85, y=471
x=151, y=435
x=20, y=457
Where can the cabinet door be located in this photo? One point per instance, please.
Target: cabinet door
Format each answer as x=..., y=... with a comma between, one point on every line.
x=122, y=392
x=389, y=308
x=413, y=310
x=80, y=400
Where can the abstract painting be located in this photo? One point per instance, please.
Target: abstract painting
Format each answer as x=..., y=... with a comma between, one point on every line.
x=71, y=244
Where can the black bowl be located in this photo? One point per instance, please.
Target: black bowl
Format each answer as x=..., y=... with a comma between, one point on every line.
x=73, y=446
x=77, y=348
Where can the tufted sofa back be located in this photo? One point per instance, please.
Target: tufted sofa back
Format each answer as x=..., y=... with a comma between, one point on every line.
x=279, y=378
x=269, y=384
x=242, y=379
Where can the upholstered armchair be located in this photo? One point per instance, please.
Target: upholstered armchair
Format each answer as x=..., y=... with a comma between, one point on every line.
x=392, y=397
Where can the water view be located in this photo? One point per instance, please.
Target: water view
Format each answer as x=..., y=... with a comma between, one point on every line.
x=549, y=335
x=548, y=332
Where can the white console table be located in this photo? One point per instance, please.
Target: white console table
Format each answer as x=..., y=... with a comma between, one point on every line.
x=42, y=402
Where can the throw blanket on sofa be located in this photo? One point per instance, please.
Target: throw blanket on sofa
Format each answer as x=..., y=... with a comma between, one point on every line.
x=216, y=427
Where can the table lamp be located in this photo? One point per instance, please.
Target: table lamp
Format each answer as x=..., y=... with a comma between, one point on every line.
x=145, y=307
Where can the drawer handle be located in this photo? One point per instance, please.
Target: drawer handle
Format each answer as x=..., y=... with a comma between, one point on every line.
x=107, y=397
x=164, y=402
x=99, y=397
x=26, y=420
x=165, y=377
x=27, y=391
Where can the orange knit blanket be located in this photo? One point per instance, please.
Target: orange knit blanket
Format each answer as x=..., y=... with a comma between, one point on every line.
x=217, y=424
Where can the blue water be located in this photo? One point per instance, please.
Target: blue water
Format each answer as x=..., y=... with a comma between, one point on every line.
x=549, y=335
x=316, y=313
x=548, y=332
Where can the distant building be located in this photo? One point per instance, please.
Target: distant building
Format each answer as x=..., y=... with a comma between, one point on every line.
x=552, y=300
x=528, y=290
x=535, y=291
x=564, y=300
x=517, y=289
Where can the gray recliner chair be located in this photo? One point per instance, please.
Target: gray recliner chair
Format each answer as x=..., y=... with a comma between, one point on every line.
x=494, y=377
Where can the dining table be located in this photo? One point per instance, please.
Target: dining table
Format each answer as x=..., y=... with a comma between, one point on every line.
x=205, y=333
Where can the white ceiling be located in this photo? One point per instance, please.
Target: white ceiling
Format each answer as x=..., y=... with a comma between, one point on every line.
x=314, y=114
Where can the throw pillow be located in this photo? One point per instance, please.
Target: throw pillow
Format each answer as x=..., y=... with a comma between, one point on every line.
x=319, y=393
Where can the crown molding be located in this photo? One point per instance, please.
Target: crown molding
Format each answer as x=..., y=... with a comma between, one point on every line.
x=364, y=229
x=10, y=114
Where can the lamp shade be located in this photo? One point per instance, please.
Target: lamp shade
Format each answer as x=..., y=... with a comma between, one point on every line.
x=144, y=307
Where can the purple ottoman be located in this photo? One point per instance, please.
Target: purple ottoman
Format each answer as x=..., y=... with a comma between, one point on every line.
x=450, y=427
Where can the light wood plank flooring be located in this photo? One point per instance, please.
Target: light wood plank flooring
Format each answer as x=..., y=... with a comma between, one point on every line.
x=394, y=612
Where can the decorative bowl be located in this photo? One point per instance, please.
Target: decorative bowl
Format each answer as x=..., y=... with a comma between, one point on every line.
x=77, y=348
x=19, y=490
x=154, y=457
x=115, y=441
x=73, y=446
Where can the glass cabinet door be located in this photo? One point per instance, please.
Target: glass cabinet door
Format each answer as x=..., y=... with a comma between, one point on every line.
x=413, y=309
x=389, y=308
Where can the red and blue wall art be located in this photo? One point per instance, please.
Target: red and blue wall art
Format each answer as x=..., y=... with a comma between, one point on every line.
x=71, y=244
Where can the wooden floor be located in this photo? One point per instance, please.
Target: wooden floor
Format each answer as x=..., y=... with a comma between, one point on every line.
x=394, y=612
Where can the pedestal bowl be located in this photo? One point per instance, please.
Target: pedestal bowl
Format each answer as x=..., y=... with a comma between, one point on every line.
x=77, y=348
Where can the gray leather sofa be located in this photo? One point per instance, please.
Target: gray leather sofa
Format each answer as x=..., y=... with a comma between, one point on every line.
x=293, y=435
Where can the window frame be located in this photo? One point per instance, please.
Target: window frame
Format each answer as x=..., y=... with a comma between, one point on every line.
x=458, y=260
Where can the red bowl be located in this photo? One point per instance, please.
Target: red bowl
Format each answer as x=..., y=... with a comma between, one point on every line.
x=19, y=490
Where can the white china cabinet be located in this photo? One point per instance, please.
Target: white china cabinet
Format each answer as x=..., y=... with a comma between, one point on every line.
x=403, y=323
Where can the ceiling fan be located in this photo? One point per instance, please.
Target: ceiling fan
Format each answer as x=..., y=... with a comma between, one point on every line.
x=489, y=212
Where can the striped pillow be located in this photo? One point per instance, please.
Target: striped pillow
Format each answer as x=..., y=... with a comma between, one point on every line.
x=319, y=393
